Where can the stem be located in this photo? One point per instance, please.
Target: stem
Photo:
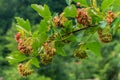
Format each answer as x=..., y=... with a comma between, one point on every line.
x=79, y=30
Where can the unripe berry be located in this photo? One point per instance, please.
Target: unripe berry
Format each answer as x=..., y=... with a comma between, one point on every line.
x=17, y=37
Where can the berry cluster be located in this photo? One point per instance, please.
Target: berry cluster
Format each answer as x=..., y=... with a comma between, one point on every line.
x=104, y=37
x=49, y=52
x=59, y=20
x=24, y=45
x=83, y=18
x=110, y=17
x=23, y=71
x=45, y=58
x=81, y=54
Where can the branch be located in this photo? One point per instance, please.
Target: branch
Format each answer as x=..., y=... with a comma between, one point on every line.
x=79, y=30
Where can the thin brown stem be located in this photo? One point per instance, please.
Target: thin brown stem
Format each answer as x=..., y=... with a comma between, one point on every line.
x=79, y=30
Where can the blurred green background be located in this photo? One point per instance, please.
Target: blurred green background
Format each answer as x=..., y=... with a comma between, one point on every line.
x=104, y=67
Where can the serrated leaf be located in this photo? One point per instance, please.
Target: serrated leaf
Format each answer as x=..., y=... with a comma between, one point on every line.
x=38, y=8
x=43, y=26
x=35, y=62
x=24, y=24
x=70, y=11
x=16, y=57
x=59, y=48
x=47, y=13
x=43, y=32
x=94, y=47
x=19, y=28
x=106, y=4
x=42, y=11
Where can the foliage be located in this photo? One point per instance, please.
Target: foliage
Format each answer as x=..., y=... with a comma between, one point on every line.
x=67, y=31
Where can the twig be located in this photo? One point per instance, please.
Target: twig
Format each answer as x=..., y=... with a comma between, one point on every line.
x=79, y=30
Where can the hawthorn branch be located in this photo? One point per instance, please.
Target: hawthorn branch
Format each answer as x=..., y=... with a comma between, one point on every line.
x=90, y=26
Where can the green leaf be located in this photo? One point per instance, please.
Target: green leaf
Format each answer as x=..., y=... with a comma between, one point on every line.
x=42, y=11
x=96, y=17
x=35, y=62
x=103, y=24
x=68, y=2
x=24, y=24
x=71, y=38
x=115, y=24
x=16, y=57
x=80, y=36
x=43, y=32
x=38, y=8
x=94, y=47
x=82, y=2
x=106, y=4
x=43, y=38
x=59, y=48
x=116, y=5
x=47, y=13
x=70, y=11
x=68, y=25
x=43, y=26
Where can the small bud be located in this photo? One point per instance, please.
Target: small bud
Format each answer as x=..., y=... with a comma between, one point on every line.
x=78, y=4
x=17, y=37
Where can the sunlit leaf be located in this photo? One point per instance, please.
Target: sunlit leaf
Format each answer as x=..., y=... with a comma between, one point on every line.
x=16, y=57
x=42, y=10
x=35, y=62
x=24, y=24
x=70, y=11
x=106, y=4
x=43, y=26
